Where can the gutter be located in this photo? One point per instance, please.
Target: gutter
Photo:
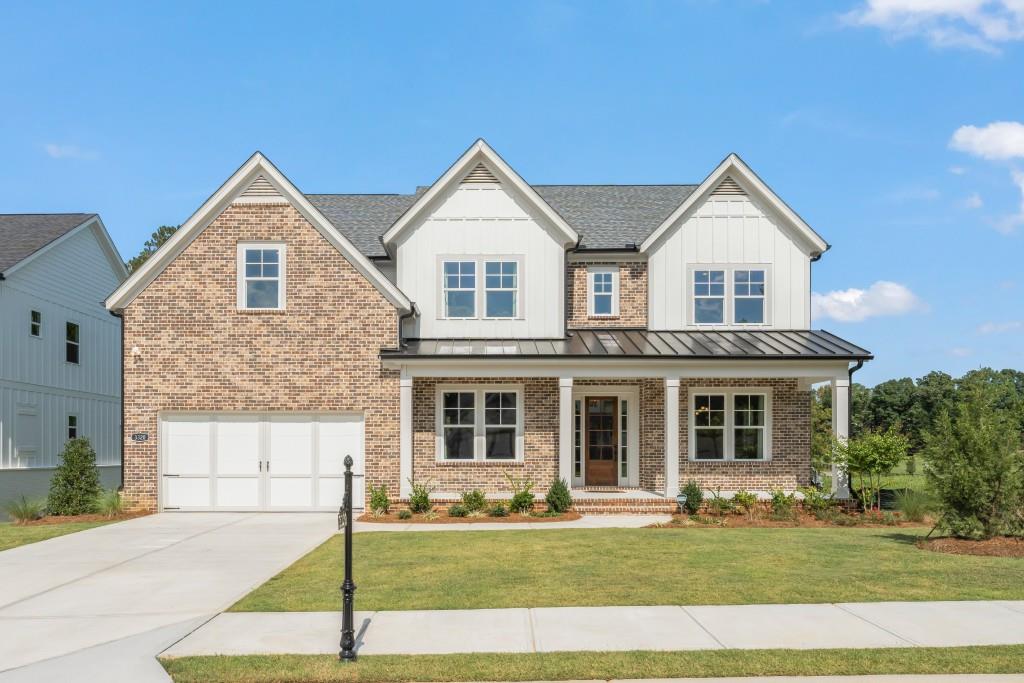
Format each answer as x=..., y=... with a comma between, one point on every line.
x=401, y=319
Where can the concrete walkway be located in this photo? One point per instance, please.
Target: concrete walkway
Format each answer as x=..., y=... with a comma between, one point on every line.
x=554, y=629
x=98, y=605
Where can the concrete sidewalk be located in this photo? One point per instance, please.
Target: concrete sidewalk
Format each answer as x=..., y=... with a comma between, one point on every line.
x=554, y=629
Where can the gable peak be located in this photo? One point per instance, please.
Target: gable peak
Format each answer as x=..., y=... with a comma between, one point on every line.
x=480, y=174
x=728, y=186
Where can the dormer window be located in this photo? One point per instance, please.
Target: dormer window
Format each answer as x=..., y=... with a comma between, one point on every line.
x=481, y=287
x=603, y=288
x=261, y=276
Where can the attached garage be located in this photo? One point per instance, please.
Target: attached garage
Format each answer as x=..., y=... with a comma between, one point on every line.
x=266, y=461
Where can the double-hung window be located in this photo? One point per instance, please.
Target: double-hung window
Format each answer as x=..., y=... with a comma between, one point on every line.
x=603, y=291
x=729, y=424
x=730, y=296
x=459, y=289
x=709, y=297
x=501, y=287
x=72, y=426
x=35, y=324
x=261, y=276
x=479, y=423
x=748, y=296
x=71, y=342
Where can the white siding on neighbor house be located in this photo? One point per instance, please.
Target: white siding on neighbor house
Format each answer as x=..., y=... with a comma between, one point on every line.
x=729, y=231
x=482, y=219
x=66, y=283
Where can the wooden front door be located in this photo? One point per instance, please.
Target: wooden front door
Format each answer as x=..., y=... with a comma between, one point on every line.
x=602, y=440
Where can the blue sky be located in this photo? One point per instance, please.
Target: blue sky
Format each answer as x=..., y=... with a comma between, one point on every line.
x=873, y=119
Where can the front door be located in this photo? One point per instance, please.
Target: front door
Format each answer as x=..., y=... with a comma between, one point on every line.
x=601, y=441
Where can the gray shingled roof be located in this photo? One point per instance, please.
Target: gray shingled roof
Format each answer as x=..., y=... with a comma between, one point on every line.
x=23, y=234
x=606, y=216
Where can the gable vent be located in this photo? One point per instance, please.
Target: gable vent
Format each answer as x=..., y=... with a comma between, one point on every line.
x=480, y=174
x=260, y=191
x=728, y=186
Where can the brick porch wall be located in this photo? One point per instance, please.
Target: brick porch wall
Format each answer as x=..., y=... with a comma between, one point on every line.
x=199, y=353
x=632, y=296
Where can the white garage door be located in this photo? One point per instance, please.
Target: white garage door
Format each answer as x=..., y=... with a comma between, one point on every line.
x=281, y=462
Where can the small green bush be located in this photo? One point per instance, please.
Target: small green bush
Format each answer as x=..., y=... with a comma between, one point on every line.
x=419, y=499
x=405, y=514
x=558, y=497
x=75, y=485
x=719, y=505
x=498, y=510
x=457, y=510
x=474, y=501
x=25, y=510
x=111, y=503
x=380, y=504
x=694, y=496
x=913, y=505
x=783, y=504
x=747, y=502
x=522, y=494
x=816, y=501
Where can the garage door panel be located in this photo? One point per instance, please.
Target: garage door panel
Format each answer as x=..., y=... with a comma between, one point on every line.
x=188, y=450
x=289, y=492
x=238, y=447
x=340, y=437
x=238, y=492
x=291, y=446
x=186, y=492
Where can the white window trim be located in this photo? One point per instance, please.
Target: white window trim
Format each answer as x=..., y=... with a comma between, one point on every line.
x=479, y=442
x=591, y=272
x=515, y=291
x=730, y=436
x=729, y=314
x=78, y=344
x=480, y=293
x=32, y=322
x=443, y=301
x=282, y=288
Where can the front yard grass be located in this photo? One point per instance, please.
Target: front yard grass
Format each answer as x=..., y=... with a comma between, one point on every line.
x=693, y=566
x=557, y=666
x=13, y=535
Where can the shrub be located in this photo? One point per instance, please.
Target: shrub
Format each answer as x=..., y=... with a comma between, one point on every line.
x=976, y=467
x=522, y=494
x=558, y=497
x=405, y=514
x=911, y=465
x=719, y=505
x=430, y=515
x=782, y=504
x=498, y=510
x=817, y=502
x=111, y=503
x=913, y=505
x=474, y=501
x=25, y=510
x=694, y=497
x=457, y=510
x=380, y=504
x=419, y=499
x=871, y=457
x=747, y=502
x=75, y=485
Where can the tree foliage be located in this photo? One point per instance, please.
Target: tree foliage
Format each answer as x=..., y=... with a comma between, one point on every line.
x=75, y=485
x=155, y=241
x=869, y=457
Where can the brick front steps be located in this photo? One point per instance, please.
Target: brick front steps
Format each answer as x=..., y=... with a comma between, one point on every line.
x=619, y=506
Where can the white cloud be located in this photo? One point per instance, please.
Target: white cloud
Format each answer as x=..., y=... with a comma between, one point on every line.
x=55, y=151
x=883, y=298
x=997, y=141
x=957, y=170
x=999, y=328
x=960, y=351
x=973, y=24
x=973, y=201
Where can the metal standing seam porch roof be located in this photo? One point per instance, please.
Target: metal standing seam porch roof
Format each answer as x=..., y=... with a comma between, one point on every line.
x=645, y=344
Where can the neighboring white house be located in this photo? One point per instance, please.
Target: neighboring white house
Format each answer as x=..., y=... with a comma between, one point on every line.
x=60, y=350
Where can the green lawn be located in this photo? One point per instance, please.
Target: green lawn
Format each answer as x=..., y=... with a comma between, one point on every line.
x=596, y=665
x=691, y=566
x=13, y=535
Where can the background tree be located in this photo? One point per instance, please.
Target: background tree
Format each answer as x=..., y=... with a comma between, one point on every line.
x=75, y=485
x=155, y=241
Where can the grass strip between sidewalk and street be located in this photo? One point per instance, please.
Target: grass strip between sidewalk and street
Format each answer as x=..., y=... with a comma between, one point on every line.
x=559, y=666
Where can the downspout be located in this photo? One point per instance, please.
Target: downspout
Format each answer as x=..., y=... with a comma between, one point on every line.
x=849, y=416
x=401, y=319
x=120, y=316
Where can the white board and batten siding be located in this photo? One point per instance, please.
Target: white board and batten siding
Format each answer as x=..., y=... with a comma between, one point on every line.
x=38, y=388
x=729, y=229
x=478, y=218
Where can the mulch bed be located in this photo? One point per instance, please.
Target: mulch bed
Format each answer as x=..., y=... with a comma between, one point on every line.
x=1000, y=546
x=443, y=518
x=758, y=522
x=56, y=519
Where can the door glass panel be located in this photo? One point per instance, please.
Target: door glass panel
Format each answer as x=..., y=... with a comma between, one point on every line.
x=291, y=446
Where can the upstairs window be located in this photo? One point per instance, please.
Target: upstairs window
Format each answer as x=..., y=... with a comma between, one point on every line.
x=604, y=291
x=261, y=282
x=35, y=325
x=709, y=297
x=748, y=296
x=72, y=426
x=501, y=287
x=460, y=289
x=71, y=345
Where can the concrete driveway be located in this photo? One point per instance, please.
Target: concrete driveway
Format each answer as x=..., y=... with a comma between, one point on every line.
x=100, y=604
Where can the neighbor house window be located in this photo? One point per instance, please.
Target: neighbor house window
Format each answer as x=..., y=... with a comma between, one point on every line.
x=730, y=424
x=261, y=282
x=71, y=342
x=479, y=423
x=72, y=426
x=501, y=285
x=748, y=296
x=460, y=289
x=708, y=297
x=604, y=291
x=35, y=325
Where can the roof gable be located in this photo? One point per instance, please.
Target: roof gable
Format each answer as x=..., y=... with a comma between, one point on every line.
x=257, y=180
x=26, y=237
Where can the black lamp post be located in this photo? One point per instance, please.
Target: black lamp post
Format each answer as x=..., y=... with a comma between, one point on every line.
x=348, y=587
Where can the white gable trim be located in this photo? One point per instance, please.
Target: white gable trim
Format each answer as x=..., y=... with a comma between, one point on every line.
x=479, y=152
x=256, y=165
x=93, y=223
x=735, y=167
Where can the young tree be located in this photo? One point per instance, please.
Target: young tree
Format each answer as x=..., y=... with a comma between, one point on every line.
x=75, y=485
x=870, y=457
x=155, y=241
x=976, y=465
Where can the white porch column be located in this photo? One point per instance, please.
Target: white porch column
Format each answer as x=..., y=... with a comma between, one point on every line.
x=405, y=436
x=841, y=429
x=565, y=429
x=671, y=437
